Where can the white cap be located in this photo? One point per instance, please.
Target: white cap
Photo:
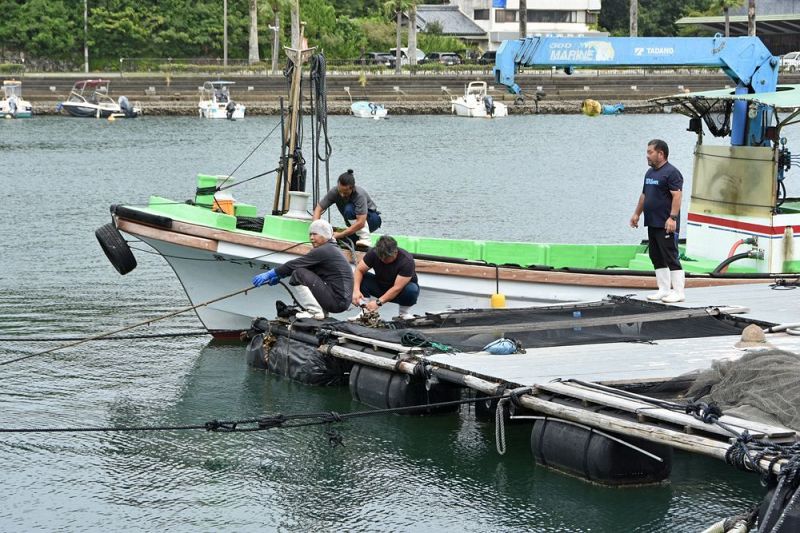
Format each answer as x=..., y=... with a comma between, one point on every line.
x=321, y=228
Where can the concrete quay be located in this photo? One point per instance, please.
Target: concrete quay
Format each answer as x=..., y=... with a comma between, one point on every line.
x=422, y=93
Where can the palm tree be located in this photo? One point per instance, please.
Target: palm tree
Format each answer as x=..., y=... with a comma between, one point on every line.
x=412, y=33
x=397, y=7
x=253, y=53
x=725, y=6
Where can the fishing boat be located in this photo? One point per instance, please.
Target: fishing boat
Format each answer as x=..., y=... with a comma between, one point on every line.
x=216, y=102
x=741, y=227
x=364, y=109
x=477, y=103
x=12, y=105
x=91, y=99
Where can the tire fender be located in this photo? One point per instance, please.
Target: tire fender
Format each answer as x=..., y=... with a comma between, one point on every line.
x=116, y=249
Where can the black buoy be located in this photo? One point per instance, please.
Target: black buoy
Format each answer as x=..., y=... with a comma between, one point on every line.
x=383, y=389
x=592, y=455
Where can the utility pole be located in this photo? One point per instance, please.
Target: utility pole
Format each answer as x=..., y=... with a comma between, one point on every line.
x=523, y=19
x=751, y=18
x=634, y=22
x=296, y=24
x=86, y=36
x=276, y=41
x=225, y=33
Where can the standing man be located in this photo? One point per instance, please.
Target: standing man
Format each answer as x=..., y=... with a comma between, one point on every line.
x=661, y=202
x=394, y=280
x=322, y=278
x=357, y=208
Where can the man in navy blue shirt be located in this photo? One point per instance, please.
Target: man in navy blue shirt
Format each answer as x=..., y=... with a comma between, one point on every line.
x=661, y=203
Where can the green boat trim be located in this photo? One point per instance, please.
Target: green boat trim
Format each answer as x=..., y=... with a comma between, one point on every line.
x=602, y=257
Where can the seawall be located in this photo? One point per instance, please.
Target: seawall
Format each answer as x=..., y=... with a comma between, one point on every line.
x=422, y=93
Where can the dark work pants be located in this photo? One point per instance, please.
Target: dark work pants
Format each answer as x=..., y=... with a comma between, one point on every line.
x=663, y=248
x=327, y=299
x=408, y=296
x=373, y=217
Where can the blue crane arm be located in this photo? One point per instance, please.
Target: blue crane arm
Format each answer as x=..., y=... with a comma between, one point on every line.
x=744, y=59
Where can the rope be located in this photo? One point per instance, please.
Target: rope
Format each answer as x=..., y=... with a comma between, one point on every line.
x=261, y=423
x=112, y=337
x=499, y=426
x=127, y=328
x=230, y=175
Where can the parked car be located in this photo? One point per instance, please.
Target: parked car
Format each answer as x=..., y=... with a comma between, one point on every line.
x=790, y=61
x=404, y=56
x=445, y=58
x=377, y=58
x=488, y=58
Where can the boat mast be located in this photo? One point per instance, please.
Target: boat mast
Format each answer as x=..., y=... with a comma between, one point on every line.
x=298, y=56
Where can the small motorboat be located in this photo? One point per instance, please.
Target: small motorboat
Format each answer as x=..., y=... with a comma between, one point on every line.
x=12, y=105
x=216, y=102
x=476, y=102
x=364, y=109
x=91, y=99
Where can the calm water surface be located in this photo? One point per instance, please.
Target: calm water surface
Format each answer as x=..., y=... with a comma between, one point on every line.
x=547, y=178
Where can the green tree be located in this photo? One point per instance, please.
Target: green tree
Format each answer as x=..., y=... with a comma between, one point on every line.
x=656, y=17
x=44, y=29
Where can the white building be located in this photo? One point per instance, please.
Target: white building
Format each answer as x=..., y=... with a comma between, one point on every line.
x=572, y=18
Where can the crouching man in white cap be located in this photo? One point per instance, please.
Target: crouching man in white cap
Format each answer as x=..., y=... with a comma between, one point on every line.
x=322, y=279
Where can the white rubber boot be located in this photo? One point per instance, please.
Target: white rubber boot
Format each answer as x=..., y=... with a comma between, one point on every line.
x=306, y=298
x=677, y=293
x=363, y=235
x=663, y=281
x=405, y=312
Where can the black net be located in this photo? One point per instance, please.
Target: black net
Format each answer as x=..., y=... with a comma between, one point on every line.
x=471, y=330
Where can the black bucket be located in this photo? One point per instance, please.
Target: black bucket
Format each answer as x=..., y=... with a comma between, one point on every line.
x=595, y=457
x=383, y=389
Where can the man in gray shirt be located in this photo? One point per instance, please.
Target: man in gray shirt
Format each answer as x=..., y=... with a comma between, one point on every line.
x=322, y=279
x=357, y=208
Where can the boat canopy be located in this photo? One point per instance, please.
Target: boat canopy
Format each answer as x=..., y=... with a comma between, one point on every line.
x=12, y=88
x=700, y=104
x=91, y=83
x=786, y=97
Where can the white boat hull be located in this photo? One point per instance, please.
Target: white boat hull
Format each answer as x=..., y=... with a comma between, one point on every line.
x=477, y=109
x=218, y=111
x=212, y=263
x=206, y=275
x=363, y=109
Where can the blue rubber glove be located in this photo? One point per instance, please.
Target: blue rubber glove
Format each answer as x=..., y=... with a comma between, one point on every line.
x=270, y=278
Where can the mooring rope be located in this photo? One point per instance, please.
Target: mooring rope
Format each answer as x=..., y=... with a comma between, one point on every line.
x=112, y=337
x=261, y=423
x=127, y=328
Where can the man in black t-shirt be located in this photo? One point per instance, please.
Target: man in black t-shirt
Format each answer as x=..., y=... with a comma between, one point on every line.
x=394, y=280
x=661, y=203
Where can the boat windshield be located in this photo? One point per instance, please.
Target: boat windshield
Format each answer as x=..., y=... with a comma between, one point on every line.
x=12, y=89
x=217, y=90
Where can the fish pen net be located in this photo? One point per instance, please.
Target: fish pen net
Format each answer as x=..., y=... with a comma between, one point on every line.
x=762, y=385
x=614, y=320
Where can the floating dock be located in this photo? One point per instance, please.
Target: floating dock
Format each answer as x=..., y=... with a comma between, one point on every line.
x=575, y=376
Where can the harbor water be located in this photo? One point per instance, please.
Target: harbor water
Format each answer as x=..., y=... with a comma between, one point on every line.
x=532, y=178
